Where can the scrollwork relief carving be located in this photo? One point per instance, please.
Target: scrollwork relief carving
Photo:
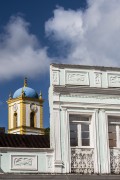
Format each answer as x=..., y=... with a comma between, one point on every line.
x=50, y=164
x=76, y=77
x=114, y=80
x=79, y=78
x=23, y=161
x=55, y=77
x=98, y=79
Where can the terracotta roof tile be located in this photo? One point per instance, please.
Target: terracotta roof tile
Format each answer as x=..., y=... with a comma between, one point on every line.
x=24, y=141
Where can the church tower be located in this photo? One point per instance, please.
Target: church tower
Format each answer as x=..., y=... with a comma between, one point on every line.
x=25, y=111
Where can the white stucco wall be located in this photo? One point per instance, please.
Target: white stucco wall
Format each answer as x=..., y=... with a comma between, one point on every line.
x=22, y=160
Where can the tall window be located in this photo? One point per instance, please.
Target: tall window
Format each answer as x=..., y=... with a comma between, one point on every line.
x=79, y=130
x=114, y=131
x=32, y=119
x=15, y=120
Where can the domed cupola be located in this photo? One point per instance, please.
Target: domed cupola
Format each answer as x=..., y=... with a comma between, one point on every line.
x=27, y=91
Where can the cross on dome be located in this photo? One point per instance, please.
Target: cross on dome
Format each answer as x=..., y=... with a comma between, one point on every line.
x=25, y=82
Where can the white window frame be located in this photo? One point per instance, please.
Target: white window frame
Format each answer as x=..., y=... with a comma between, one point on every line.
x=117, y=125
x=79, y=130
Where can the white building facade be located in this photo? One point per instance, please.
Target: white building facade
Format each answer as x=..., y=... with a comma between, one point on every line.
x=85, y=118
x=26, y=160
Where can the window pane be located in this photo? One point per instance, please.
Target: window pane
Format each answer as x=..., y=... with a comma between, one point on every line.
x=85, y=127
x=85, y=135
x=112, y=135
x=84, y=119
x=78, y=117
x=112, y=128
x=73, y=135
x=85, y=142
x=114, y=119
x=79, y=131
x=112, y=143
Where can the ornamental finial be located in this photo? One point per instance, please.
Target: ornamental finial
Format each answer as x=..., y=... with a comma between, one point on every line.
x=40, y=95
x=25, y=82
x=23, y=94
x=10, y=95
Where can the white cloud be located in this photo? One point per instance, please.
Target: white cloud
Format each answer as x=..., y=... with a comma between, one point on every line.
x=20, y=52
x=93, y=35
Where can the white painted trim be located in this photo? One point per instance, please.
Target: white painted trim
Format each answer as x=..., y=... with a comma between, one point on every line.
x=15, y=149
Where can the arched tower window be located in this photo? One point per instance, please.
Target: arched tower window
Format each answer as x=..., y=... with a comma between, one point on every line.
x=15, y=120
x=32, y=119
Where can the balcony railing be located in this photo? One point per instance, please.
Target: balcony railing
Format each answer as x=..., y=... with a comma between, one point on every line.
x=115, y=160
x=82, y=160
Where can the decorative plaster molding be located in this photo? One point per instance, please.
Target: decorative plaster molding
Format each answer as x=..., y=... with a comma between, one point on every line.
x=97, y=79
x=14, y=149
x=77, y=78
x=114, y=80
x=50, y=163
x=24, y=162
x=90, y=96
x=82, y=160
x=55, y=77
x=115, y=161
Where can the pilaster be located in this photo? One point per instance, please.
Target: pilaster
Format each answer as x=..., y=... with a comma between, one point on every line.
x=58, y=159
x=22, y=116
x=96, y=142
x=103, y=139
x=66, y=148
x=41, y=116
x=9, y=117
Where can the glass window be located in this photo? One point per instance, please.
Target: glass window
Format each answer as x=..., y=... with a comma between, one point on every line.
x=79, y=130
x=112, y=135
x=73, y=135
x=85, y=134
x=114, y=131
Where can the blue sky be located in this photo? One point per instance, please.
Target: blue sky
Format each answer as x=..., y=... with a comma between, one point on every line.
x=36, y=13
x=35, y=33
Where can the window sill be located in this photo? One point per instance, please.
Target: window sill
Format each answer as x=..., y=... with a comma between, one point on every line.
x=83, y=147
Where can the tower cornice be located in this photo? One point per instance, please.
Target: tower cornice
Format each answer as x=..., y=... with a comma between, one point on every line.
x=25, y=99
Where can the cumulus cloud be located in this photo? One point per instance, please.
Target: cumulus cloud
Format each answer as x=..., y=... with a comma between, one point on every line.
x=86, y=37
x=20, y=51
x=92, y=36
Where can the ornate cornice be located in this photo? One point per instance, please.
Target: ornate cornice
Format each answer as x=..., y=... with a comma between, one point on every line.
x=86, y=90
x=14, y=149
x=23, y=99
x=63, y=66
x=26, y=127
x=91, y=96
